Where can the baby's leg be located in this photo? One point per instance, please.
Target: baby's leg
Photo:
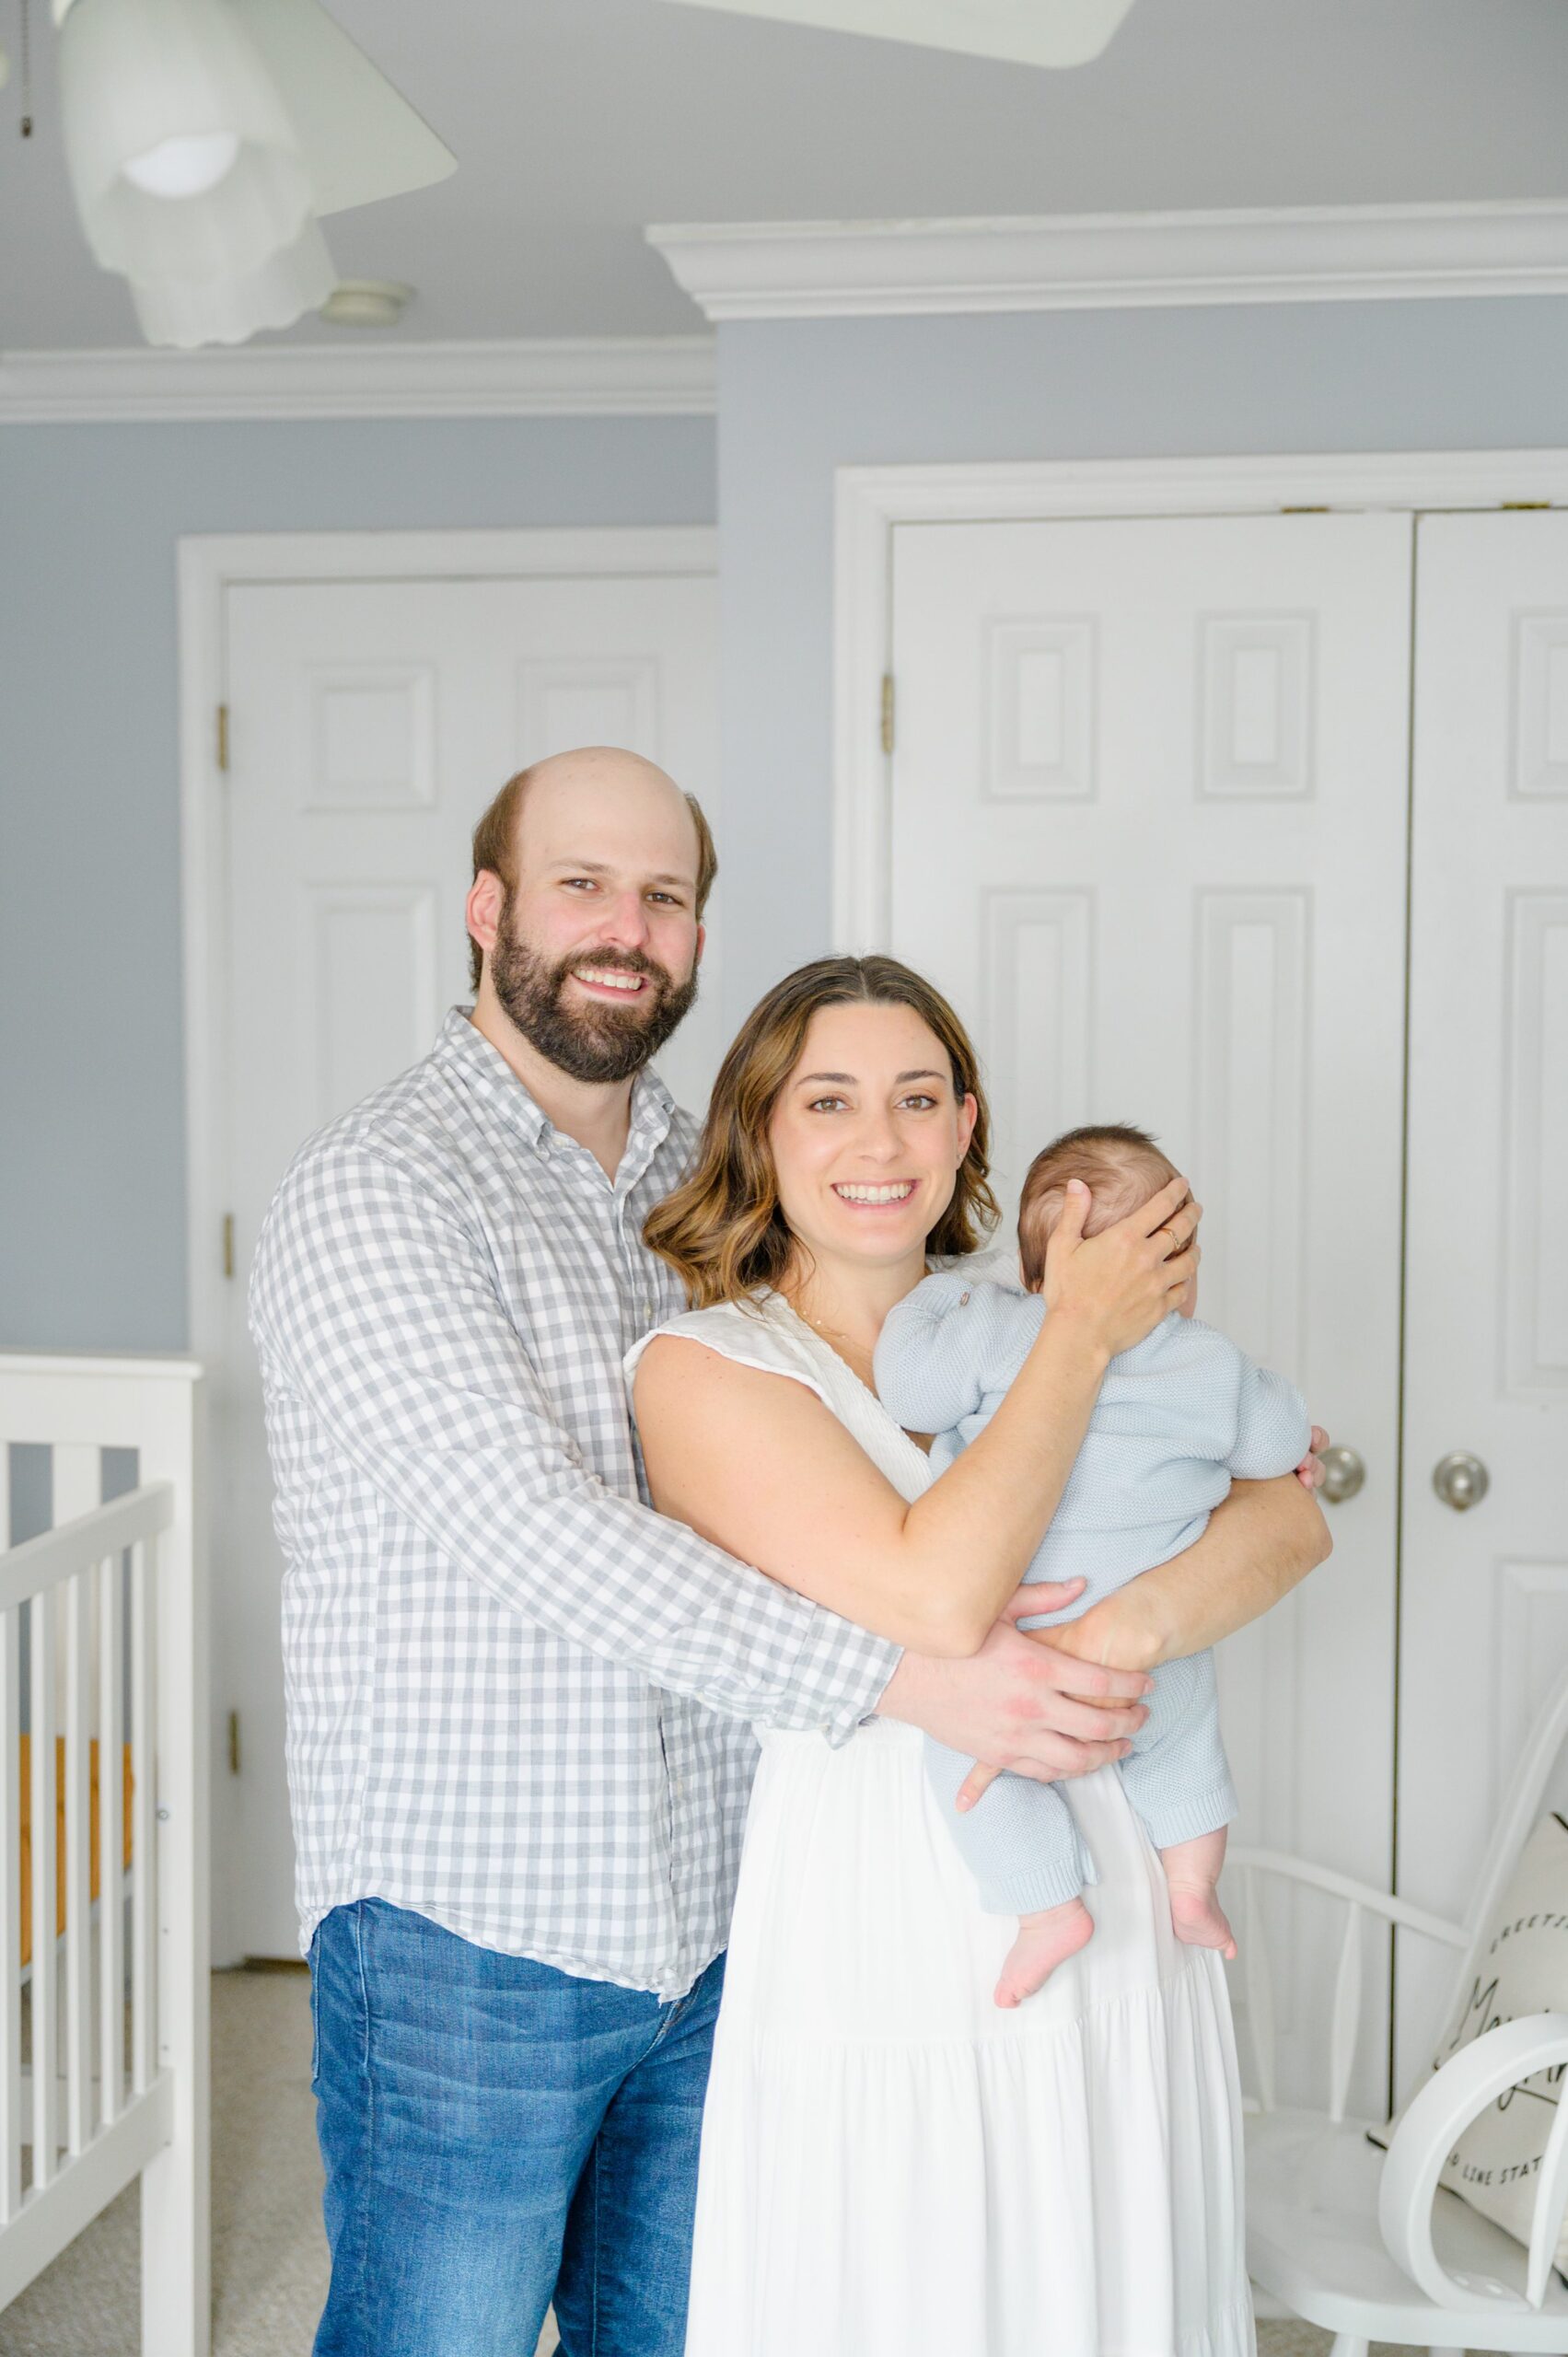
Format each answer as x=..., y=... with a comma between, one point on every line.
x=1178, y=1780
x=1192, y=1870
x=1022, y=1846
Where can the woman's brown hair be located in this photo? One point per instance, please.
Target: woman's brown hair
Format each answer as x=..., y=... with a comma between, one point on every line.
x=721, y=1230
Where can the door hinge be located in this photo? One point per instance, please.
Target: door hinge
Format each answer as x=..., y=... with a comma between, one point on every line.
x=1522, y=506
x=228, y=1244
x=234, y=1743
x=887, y=712
x=1304, y=511
x=223, y=737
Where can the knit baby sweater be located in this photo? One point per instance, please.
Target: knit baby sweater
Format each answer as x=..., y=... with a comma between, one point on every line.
x=1178, y=1416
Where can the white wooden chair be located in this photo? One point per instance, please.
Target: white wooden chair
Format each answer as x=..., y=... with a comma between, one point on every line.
x=1368, y=2243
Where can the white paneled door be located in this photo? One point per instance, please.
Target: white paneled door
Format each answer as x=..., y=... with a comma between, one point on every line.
x=369, y=724
x=1149, y=831
x=1485, y=1585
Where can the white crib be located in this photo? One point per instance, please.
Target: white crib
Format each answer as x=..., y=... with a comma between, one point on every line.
x=104, y=2025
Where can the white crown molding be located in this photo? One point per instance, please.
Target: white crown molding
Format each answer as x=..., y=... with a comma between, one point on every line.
x=568, y=377
x=1089, y=262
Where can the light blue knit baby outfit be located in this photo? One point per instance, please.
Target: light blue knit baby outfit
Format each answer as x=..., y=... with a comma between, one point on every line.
x=1177, y=1417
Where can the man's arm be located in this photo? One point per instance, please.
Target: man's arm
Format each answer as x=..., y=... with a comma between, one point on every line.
x=373, y=1303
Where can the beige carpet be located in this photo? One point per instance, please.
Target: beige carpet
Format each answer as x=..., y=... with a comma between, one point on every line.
x=269, y=2259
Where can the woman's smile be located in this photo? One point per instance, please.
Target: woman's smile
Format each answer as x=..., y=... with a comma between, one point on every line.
x=883, y=1194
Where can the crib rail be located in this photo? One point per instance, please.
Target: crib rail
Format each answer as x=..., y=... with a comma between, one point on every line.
x=75, y=1577
x=103, y=1926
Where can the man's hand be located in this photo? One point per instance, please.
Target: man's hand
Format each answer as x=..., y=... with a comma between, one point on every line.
x=1032, y=1709
x=1073, y=1650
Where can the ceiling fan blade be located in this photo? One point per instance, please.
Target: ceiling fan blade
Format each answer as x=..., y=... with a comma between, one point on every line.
x=361, y=138
x=1031, y=32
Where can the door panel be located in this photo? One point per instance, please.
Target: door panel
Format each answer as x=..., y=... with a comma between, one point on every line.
x=1149, y=831
x=1485, y=1618
x=370, y=723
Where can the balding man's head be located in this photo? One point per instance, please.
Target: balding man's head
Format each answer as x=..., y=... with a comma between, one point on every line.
x=603, y=785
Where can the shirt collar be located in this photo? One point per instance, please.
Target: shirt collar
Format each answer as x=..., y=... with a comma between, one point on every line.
x=485, y=1076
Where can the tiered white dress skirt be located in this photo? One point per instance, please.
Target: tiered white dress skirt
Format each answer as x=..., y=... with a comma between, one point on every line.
x=892, y=2167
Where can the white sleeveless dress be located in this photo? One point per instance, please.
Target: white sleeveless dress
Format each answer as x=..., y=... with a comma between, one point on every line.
x=892, y=2167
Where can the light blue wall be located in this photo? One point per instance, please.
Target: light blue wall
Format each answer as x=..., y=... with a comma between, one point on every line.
x=798, y=398
x=92, y=1243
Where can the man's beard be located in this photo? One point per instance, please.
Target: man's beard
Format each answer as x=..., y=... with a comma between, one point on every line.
x=591, y=1041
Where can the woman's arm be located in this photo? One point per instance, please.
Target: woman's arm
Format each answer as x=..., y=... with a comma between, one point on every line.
x=1266, y=1536
x=757, y=1462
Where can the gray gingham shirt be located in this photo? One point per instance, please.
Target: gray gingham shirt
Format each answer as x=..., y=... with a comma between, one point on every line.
x=518, y=1699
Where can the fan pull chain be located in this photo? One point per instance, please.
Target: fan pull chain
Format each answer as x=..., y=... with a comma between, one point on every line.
x=27, y=69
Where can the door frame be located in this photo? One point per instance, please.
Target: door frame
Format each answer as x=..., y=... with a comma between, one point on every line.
x=871, y=502
x=208, y=567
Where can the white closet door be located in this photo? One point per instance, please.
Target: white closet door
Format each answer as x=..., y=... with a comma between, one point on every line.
x=1485, y=1611
x=370, y=723
x=1148, y=830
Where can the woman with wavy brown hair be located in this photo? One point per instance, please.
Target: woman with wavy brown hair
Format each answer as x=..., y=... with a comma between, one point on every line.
x=891, y=2166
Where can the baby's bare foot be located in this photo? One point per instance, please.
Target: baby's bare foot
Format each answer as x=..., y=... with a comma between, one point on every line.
x=1044, y=1941
x=1198, y=1918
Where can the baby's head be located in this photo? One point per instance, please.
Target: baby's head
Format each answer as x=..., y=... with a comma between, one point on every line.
x=1120, y=1166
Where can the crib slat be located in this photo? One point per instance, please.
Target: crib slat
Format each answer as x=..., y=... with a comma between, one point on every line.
x=76, y=1485
x=10, y=1915
x=144, y=1830
x=77, y=1604
x=45, y=1992
x=112, y=1840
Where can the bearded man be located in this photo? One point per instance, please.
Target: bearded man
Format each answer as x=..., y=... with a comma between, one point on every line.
x=519, y=1700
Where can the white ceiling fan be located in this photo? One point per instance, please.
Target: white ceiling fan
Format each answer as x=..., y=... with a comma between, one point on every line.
x=1031, y=32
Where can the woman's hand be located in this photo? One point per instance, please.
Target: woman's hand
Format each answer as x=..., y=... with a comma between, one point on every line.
x=1122, y=1281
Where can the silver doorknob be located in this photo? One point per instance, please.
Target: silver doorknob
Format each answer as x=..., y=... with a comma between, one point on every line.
x=1461, y=1481
x=1344, y=1474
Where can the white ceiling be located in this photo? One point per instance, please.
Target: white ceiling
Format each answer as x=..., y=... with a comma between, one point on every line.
x=576, y=122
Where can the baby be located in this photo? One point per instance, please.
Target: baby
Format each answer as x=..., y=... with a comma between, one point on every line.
x=1177, y=1417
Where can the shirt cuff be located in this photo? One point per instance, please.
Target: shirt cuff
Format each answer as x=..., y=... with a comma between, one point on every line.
x=840, y=1675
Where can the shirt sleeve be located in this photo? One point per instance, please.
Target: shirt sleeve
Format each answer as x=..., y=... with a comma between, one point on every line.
x=373, y=1301
x=1273, y=1430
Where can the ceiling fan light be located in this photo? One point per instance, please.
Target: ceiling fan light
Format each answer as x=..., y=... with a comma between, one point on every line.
x=188, y=312
x=1030, y=32
x=149, y=87
x=182, y=167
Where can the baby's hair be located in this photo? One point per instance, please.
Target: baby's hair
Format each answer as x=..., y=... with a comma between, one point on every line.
x=1120, y=1166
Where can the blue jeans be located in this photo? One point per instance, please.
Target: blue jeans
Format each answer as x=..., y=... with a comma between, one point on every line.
x=495, y=2134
